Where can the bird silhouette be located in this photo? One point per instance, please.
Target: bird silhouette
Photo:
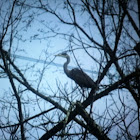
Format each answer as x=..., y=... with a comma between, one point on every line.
x=81, y=78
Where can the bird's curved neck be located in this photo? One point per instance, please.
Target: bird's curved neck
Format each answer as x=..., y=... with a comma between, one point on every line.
x=66, y=66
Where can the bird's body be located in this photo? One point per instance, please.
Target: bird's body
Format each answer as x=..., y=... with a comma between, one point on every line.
x=81, y=78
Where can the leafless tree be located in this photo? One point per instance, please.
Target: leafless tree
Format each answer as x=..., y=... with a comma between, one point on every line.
x=107, y=34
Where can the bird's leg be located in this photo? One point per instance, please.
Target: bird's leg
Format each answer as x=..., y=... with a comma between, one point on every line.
x=83, y=92
x=75, y=88
x=74, y=91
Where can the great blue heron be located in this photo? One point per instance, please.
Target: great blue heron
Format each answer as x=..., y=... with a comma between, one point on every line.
x=81, y=78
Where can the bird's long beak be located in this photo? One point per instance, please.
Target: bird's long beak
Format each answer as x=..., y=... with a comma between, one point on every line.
x=59, y=55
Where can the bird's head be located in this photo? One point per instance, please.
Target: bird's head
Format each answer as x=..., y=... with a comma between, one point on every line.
x=62, y=55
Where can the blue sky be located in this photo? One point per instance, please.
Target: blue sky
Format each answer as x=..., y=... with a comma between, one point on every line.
x=40, y=44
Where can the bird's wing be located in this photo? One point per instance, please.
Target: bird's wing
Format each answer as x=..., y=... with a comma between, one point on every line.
x=80, y=77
